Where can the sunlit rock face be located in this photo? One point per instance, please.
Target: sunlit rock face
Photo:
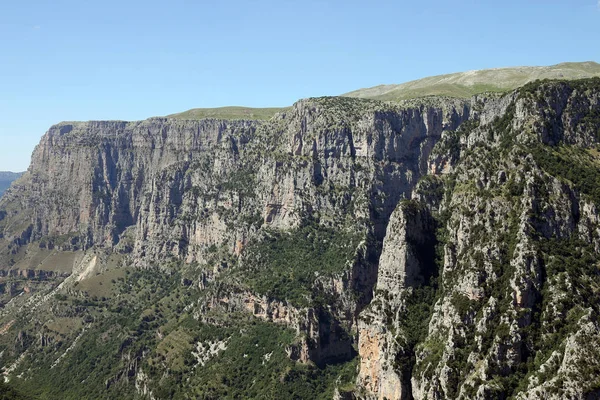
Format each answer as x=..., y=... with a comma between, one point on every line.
x=445, y=248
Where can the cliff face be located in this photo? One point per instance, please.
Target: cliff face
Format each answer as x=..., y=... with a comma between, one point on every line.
x=442, y=248
x=89, y=179
x=180, y=185
x=513, y=228
x=6, y=178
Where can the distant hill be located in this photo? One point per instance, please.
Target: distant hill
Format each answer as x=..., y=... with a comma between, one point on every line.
x=459, y=85
x=466, y=84
x=228, y=113
x=6, y=178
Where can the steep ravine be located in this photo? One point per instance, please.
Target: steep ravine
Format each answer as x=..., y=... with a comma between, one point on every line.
x=438, y=248
x=518, y=265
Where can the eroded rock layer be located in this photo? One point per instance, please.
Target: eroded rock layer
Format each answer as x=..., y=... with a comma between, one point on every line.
x=436, y=248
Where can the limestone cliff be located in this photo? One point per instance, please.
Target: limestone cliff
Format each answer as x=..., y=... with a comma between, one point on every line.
x=513, y=238
x=435, y=248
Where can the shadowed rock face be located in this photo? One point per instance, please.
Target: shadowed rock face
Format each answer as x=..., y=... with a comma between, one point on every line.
x=466, y=225
x=502, y=210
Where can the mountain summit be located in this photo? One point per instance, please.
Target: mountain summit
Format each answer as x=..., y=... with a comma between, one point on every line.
x=467, y=84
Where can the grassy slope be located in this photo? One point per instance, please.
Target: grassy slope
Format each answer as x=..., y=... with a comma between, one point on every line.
x=460, y=85
x=124, y=314
x=228, y=113
x=466, y=84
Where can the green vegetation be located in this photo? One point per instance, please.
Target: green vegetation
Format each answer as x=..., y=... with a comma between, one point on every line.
x=414, y=323
x=113, y=331
x=9, y=393
x=571, y=293
x=228, y=113
x=582, y=84
x=255, y=366
x=285, y=265
x=462, y=304
x=572, y=164
x=242, y=181
x=569, y=265
x=501, y=127
x=142, y=326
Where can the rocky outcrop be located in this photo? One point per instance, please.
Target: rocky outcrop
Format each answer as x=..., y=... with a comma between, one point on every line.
x=183, y=186
x=475, y=270
x=506, y=214
x=406, y=262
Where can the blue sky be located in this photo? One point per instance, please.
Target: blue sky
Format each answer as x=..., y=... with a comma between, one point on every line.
x=77, y=60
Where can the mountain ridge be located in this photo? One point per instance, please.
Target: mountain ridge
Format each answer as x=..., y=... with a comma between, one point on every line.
x=469, y=83
x=229, y=112
x=345, y=248
x=454, y=85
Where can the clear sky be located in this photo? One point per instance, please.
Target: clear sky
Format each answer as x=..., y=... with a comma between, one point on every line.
x=81, y=60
